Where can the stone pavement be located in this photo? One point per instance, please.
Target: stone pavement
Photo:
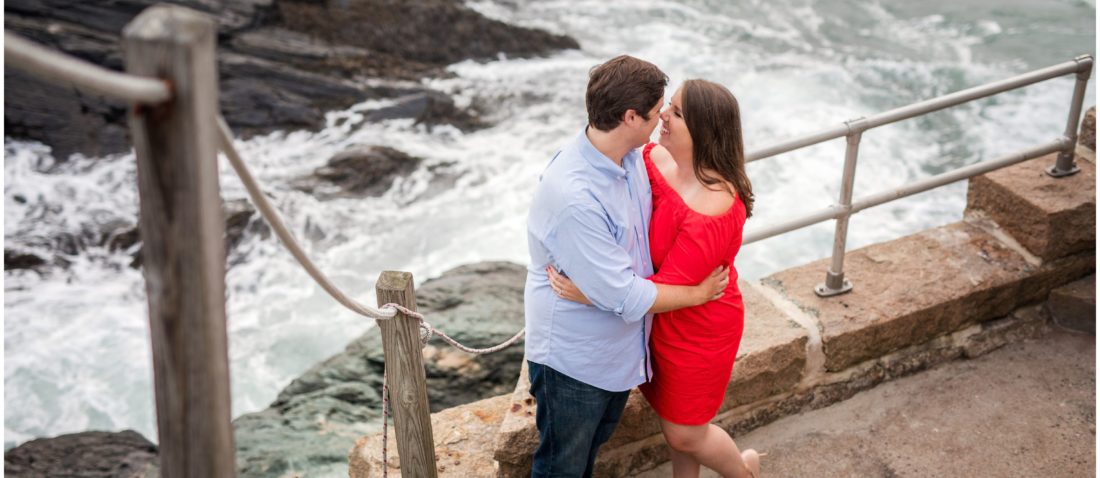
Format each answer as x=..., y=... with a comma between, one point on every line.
x=1027, y=409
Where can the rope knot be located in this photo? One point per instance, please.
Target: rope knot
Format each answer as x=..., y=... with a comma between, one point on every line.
x=426, y=332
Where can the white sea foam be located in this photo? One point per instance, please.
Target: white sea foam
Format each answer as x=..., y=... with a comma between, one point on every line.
x=77, y=353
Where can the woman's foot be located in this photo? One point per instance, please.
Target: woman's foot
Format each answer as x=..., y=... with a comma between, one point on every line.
x=752, y=462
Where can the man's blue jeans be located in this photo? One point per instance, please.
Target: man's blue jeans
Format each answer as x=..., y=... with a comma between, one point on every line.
x=573, y=419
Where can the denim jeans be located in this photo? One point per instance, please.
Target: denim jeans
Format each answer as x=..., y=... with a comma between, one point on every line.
x=573, y=419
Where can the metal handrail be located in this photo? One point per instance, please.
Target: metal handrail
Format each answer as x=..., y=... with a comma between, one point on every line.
x=835, y=283
x=835, y=212
x=65, y=70
x=927, y=106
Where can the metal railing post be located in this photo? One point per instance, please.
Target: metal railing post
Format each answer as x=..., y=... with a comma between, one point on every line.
x=1065, y=165
x=835, y=283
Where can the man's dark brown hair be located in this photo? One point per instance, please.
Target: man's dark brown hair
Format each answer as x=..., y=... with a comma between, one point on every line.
x=623, y=83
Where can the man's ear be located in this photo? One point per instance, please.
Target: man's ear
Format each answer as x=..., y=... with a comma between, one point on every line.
x=629, y=115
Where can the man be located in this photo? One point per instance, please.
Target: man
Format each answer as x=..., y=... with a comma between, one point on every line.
x=590, y=221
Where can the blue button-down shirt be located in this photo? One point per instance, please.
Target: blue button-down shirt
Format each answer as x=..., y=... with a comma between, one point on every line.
x=590, y=220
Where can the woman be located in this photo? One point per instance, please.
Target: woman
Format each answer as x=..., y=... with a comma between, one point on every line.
x=701, y=198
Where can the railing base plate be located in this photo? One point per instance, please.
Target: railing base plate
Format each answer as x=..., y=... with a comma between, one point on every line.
x=1054, y=172
x=823, y=290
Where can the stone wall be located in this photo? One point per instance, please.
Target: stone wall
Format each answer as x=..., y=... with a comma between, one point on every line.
x=955, y=291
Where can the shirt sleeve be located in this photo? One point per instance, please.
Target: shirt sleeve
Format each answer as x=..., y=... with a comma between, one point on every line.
x=584, y=248
x=700, y=246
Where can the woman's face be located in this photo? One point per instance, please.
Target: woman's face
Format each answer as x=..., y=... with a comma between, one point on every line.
x=674, y=131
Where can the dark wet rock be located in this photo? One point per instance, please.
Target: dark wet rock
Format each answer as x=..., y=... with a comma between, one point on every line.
x=231, y=15
x=430, y=108
x=124, y=454
x=318, y=416
x=282, y=63
x=124, y=239
x=358, y=172
x=64, y=119
x=14, y=260
x=259, y=95
x=119, y=235
x=411, y=39
x=241, y=220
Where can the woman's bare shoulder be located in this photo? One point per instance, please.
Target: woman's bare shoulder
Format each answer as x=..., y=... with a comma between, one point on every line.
x=659, y=155
x=714, y=200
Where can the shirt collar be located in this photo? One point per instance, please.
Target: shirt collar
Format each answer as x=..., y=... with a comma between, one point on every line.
x=600, y=161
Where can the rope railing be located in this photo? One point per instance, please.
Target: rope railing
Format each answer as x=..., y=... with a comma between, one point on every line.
x=225, y=139
x=387, y=311
x=64, y=70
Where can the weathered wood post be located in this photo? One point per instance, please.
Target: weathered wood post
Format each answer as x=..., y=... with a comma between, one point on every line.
x=405, y=377
x=182, y=229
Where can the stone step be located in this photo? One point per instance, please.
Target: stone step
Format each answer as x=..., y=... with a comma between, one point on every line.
x=1073, y=305
x=1051, y=217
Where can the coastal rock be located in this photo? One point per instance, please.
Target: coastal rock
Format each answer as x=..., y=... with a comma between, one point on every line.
x=460, y=434
x=260, y=95
x=282, y=63
x=412, y=39
x=231, y=15
x=241, y=220
x=121, y=235
x=1087, y=136
x=66, y=120
x=124, y=454
x=14, y=259
x=429, y=108
x=318, y=417
x=357, y=172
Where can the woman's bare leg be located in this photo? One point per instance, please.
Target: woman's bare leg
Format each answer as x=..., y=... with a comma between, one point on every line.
x=707, y=445
x=683, y=465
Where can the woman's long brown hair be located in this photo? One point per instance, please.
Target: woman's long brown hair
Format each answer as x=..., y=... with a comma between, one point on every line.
x=714, y=121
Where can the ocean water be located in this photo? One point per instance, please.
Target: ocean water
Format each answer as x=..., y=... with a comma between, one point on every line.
x=76, y=341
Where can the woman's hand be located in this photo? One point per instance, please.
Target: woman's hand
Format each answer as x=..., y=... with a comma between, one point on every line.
x=565, y=288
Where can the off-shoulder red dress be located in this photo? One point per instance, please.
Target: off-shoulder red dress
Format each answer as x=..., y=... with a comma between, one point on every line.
x=693, y=348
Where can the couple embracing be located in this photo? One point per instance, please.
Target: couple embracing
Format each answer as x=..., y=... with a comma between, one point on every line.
x=621, y=229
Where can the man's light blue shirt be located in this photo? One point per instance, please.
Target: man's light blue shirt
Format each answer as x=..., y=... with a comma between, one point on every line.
x=590, y=220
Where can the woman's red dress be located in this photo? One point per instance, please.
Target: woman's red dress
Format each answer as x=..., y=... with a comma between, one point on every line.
x=693, y=348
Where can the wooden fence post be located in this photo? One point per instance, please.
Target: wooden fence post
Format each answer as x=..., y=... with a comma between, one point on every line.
x=182, y=228
x=405, y=378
